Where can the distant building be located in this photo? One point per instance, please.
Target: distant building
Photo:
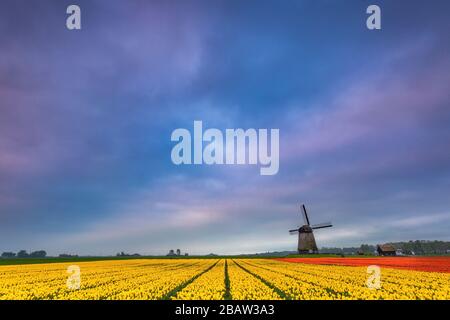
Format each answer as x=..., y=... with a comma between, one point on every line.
x=178, y=252
x=386, y=250
x=66, y=255
x=171, y=253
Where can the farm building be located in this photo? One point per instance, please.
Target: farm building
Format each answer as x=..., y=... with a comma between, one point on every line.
x=386, y=250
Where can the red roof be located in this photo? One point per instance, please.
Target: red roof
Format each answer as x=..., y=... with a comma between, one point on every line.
x=386, y=247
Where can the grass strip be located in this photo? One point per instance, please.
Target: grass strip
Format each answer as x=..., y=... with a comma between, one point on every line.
x=280, y=292
x=183, y=285
x=227, y=294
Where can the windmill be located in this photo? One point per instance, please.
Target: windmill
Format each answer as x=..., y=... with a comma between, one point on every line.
x=306, y=241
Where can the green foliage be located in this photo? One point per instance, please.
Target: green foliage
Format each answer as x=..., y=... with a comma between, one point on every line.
x=423, y=247
x=227, y=295
x=8, y=255
x=22, y=254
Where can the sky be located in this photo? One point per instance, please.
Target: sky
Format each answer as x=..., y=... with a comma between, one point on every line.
x=86, y=118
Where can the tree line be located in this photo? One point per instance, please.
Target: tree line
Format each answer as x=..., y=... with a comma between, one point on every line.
x=25, y=254
x=418, y=247
x=423, y=246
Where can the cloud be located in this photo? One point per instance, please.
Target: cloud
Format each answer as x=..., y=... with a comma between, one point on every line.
x=381, y=107
x=420, y=221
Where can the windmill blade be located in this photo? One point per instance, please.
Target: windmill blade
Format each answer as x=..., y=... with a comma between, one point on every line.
x=321, y=225
x=305, y=215
x=293, y=231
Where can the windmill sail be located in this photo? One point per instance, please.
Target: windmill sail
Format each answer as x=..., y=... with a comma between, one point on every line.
x=305, y=215
x=321, y=225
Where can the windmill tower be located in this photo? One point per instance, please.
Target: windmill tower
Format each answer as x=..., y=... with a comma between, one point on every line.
x=306, y=240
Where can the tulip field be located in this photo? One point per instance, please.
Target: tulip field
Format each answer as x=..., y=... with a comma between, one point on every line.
x=214, y=279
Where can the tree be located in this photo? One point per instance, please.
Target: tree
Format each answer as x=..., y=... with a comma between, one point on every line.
x=367, y=248
x=8, y=255
x=38, y=254
x=22, y=254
